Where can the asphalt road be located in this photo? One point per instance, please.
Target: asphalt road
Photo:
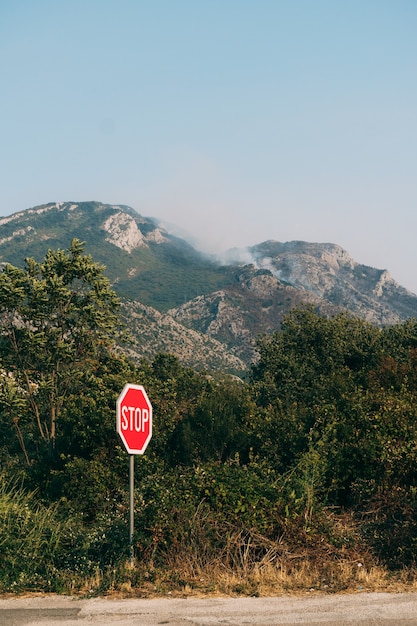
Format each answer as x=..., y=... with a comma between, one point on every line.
x=362, y=609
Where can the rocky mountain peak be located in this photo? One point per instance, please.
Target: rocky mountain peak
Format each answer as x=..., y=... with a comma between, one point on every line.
x=123, y=231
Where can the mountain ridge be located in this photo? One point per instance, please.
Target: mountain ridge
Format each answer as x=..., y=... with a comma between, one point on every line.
x=206, y=311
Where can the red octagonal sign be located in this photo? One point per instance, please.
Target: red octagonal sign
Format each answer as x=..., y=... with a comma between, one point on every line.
x=134, y=418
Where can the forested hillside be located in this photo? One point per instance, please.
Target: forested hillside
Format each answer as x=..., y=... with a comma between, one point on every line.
x=301, y=476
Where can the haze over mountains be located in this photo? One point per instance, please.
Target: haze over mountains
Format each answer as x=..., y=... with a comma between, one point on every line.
x=206, y=311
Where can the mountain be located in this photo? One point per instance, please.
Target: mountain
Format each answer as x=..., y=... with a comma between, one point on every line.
x=144, y=261
x=209, y=313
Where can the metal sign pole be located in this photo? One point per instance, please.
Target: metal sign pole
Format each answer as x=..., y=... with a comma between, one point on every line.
x=131, y=506
x=134, y=425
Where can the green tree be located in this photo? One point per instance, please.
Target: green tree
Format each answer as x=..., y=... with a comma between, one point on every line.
x=311, y=387
x=214, y=428
x=57, y=319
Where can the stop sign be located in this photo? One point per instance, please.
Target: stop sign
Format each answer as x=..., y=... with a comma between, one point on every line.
x=134, y=418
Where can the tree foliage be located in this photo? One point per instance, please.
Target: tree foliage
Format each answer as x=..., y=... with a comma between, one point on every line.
x=342, y=386
x=327, y=417
x=57, y=319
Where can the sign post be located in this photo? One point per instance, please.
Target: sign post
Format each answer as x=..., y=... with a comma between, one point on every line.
x=134, y=425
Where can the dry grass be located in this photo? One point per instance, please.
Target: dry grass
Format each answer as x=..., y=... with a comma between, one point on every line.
x=210, y=560
x=271, y=580
x=291, y=573
x=252, y=565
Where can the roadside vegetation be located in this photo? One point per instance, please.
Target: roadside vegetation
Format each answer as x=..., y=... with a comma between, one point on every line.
x=302, y=477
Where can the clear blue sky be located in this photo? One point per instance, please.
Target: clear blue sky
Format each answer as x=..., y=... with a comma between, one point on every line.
x=240, y=120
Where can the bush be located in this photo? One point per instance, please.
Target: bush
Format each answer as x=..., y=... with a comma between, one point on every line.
x=42, y=548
